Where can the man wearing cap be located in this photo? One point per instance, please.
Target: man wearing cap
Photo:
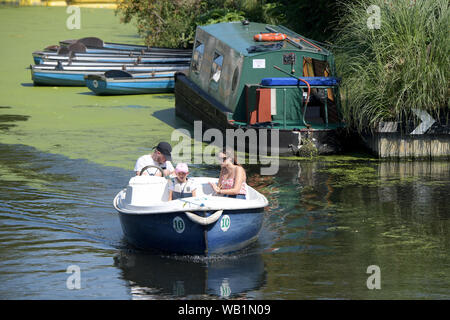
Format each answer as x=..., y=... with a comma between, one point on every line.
x=161, y=157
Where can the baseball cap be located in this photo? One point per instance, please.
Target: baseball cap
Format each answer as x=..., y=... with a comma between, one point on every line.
x=182, y=167
x=166, y=149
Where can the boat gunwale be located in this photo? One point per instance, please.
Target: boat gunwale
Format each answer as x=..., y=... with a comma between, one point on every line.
x=112, y=58
x=199, y=208
x=128, y=80
x=148, y=69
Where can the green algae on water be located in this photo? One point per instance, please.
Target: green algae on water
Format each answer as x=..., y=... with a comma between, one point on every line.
x=345, y=174
x=352, y=156
x=71, y=121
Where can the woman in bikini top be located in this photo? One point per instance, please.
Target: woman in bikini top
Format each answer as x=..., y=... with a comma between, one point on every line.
x=232, y=179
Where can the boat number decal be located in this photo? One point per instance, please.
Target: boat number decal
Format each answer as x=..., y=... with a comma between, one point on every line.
x=178, y=224
x=225, y=223
x=95, y=83
x=259, y=63
x=225, y=290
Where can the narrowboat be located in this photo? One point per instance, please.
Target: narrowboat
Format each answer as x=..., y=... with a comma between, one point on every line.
x=285, y=84
x=202, y=225
x=121, y=83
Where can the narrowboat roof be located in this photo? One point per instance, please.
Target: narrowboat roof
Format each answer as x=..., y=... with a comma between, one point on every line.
x=240, y=37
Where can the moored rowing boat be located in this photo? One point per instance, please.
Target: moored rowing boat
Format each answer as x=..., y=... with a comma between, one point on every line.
x=127, y=84
x=74, y=75
x=111, y=58
x=96, y=43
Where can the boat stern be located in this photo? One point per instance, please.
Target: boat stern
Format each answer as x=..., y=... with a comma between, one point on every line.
x=96, y=83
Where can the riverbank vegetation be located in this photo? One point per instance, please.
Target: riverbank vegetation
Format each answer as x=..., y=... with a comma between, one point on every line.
x=393, y=56
x=172, y=23
x=396, y=64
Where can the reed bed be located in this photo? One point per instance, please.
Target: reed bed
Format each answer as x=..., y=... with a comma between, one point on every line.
x=395, y=64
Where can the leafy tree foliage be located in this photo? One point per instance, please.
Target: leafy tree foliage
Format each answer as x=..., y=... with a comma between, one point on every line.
x=172, y=23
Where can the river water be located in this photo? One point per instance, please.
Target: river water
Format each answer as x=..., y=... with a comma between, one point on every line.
x=326, y=224
x=64, y=154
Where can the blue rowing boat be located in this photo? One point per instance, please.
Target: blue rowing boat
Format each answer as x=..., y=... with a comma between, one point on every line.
x=54, y=63
x=112, y=58
x=74, y=75
x=97, y=45
x=39, y=56
x=201, y=225
x=121, y=83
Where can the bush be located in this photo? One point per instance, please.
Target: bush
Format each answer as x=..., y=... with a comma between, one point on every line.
x=163, y=23
x=314, y=19
x=387, y=72
x=172, y=23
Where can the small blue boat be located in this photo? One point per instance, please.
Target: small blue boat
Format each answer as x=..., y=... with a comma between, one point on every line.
x=112, y=58
x=120, y=83
x=74, y=75
x=201, y=225
x=94, y=44
x=54, y=63
x=40, y=56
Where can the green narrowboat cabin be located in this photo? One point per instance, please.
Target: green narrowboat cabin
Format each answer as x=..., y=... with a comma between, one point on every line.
x=288, y=84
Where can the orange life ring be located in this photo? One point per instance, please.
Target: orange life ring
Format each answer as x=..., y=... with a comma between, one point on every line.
x=269, y=37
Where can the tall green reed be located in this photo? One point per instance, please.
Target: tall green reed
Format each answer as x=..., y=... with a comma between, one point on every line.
x=401, y=64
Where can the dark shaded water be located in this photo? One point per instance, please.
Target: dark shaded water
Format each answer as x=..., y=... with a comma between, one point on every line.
x=327, y=222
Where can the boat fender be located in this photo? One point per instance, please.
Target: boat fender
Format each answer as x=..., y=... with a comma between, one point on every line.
x=204, y=221
x=269, y=36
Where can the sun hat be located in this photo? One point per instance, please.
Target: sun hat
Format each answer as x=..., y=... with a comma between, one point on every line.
x=182, y=167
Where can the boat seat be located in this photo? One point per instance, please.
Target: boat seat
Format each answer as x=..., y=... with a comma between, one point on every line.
x=147, y=190
x=150, y=190
x=205, y=189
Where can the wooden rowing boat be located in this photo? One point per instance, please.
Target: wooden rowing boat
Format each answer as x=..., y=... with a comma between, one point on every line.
x=74, y=75
x=97, y=43
x=121, y=83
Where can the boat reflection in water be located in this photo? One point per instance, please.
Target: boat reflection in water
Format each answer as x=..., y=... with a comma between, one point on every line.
x=152, y=276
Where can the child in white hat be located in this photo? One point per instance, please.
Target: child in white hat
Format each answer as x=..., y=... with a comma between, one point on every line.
x=181, y=186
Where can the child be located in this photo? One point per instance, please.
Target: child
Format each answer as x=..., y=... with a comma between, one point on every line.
x=180, y=186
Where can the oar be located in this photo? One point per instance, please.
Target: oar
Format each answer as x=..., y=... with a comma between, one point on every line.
x=302, y=80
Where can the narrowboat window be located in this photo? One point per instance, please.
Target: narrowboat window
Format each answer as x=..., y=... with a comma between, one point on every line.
x=216, y=68
x=197, y=56
x=235, y=79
